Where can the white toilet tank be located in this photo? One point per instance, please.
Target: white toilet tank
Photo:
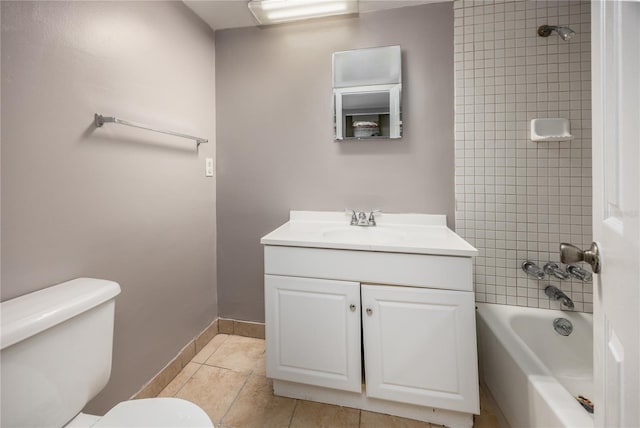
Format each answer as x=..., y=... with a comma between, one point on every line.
x=56, y=346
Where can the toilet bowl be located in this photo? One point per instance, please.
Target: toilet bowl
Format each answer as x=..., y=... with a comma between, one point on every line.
x=56, y=347
x=148, y=412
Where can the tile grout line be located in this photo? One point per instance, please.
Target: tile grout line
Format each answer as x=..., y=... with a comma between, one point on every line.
x=199, y=364
x=186, y=380
x=237, y=395
x=295, y=407
x=218, y=348
x=251, y=372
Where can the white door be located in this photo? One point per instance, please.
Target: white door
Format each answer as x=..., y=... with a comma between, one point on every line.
x=616, y=190
x=313, y=331
x=420, y=346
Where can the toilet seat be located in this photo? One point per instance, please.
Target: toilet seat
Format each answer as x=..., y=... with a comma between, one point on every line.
x=155, y=412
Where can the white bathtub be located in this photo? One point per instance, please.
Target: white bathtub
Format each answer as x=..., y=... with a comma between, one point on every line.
x=533, y=372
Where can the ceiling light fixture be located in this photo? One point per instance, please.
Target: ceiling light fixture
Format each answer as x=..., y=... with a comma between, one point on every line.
x=277, y=11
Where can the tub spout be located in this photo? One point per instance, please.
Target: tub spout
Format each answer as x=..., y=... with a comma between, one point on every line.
x=567, y=302
x=555, y=293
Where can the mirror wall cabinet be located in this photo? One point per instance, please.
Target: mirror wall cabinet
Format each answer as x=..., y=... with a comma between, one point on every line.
x=367, y=87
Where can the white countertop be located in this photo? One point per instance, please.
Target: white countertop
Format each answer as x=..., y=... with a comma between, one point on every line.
x=397, y=233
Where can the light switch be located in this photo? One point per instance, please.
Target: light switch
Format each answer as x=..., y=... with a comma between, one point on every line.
x=208, y=169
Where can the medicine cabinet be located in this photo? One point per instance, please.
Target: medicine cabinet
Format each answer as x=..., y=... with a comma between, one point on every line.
x=367, y=86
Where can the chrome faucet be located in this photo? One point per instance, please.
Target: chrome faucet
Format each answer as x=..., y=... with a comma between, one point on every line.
x=555, y=293
x=552, y=269
x=532, y=269
x=361, y=219
x=579, y=273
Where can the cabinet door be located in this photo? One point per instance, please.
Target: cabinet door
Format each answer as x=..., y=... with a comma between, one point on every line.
x=420, y=346
x=313, y=331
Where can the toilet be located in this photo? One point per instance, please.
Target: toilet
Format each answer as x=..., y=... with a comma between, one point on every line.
x=56, y=346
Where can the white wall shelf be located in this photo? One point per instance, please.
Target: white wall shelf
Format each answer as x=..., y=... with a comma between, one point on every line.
x=551, y=129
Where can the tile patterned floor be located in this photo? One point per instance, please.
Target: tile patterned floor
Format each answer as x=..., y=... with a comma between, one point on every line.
x=227, y=379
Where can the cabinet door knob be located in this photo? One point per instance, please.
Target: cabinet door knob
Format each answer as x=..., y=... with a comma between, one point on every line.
x=352, y=307
x=369, y=311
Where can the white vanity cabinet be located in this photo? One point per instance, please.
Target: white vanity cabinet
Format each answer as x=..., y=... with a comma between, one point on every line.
x=419, y=346
x=313, y=331
x=358, y=320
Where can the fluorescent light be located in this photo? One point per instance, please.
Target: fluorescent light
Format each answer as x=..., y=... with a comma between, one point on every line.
x=299, y=12
x=276, y=11
x=288, y=4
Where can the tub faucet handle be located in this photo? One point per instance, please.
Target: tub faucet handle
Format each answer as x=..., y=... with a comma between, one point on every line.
x=552, y=269
x=532, y=269
x=579, y=273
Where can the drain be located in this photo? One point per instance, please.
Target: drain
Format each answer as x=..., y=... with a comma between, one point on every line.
x=562, y=326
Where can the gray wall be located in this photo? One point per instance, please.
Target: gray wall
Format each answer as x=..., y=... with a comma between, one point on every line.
x=275, y=134
x=116, y=202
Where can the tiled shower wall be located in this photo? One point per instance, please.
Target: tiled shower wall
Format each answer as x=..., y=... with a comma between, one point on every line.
x=516, y=200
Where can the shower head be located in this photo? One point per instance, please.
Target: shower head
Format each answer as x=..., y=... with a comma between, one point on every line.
x=565, y=32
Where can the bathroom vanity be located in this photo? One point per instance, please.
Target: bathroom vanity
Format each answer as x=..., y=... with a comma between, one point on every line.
x=379, y=318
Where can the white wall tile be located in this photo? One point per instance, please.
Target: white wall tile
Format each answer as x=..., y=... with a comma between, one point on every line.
x=517, y=200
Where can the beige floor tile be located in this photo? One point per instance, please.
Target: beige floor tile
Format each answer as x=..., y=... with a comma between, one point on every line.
x=225, y=326
x=486, y=421
x=187, y=353
x=486, y=403
x=206, y=336
x=248, y=329
x=178, y=381
x=261, y=366
x=378, y=420
x=237, y=353
x=256, y=406
x=213, y=389
x=162, y=379
x=309, y=414
x=210, y=348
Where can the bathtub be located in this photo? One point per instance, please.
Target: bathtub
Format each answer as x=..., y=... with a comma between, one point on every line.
x=533, y=372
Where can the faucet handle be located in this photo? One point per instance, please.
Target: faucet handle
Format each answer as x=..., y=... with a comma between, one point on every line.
x=372, y=217
x=354, y=217
x=552, y=269
x=532, y=269
x=579, y=273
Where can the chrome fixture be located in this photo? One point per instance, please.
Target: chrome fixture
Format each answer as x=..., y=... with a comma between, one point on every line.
x=100, y=120
x=572, y=254
x=565, y=33
x=532, y=269
x=361, y=219
x=578, y=273
x=562, y=326
x=552, y=269
x=555, y=293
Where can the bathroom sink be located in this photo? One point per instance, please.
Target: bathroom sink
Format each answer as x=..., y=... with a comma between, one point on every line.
x=399, y=233
x=377, y=234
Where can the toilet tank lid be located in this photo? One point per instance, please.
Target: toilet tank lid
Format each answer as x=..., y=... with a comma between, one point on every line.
x=32, y=313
